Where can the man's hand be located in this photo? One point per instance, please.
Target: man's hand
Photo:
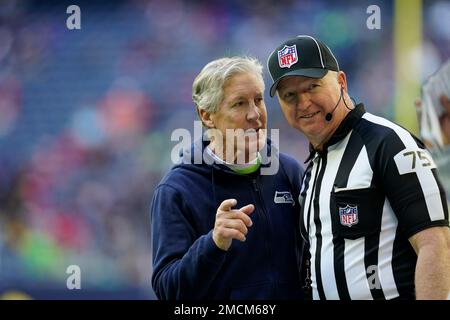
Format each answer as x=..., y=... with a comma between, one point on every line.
x=231, y=223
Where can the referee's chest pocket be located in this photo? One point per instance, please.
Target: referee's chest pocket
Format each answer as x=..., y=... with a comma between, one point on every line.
x=356, y=213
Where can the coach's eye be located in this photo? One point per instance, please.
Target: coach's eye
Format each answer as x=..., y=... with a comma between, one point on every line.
x=238, y=104
x=313, y=86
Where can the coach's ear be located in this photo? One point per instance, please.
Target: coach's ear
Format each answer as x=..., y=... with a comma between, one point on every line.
x=206, y=118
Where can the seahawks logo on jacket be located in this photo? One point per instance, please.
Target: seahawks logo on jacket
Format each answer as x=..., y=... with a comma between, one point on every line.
x=283, y=197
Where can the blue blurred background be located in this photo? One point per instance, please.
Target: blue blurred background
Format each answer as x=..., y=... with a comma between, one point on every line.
x=86, y=117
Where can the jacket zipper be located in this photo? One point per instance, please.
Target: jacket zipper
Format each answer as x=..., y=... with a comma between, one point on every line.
x=266, y=217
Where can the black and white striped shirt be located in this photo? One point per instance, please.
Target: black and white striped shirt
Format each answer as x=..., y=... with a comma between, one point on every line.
x=372, y=187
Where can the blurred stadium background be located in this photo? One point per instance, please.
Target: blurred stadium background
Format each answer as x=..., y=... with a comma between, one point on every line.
x=86, y=115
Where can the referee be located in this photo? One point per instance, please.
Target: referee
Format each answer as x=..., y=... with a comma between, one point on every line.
x=373, y=210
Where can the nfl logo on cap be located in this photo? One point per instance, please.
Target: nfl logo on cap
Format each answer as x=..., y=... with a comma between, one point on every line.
x=316, y=60
x=287, y=56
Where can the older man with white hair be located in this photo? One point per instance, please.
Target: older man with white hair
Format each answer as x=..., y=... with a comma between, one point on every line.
x=221, y=229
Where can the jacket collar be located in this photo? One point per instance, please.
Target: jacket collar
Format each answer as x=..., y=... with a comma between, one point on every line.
x=197, y=150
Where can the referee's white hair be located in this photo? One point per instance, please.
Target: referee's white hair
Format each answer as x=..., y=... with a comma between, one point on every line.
x=207, y=89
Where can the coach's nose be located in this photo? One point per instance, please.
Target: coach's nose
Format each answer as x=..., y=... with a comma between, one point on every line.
x=253, y=114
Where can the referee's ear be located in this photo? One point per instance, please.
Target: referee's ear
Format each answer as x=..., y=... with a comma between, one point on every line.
x=342, y=80
x=205, y=117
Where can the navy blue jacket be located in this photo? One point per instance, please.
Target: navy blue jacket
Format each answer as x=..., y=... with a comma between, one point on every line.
x=187, y=264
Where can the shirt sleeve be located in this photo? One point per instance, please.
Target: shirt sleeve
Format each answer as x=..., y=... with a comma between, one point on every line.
x=184, y=266
x=409, y=177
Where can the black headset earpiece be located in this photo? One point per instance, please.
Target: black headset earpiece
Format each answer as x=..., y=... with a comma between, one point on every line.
x=329, y=115
x=345, y=103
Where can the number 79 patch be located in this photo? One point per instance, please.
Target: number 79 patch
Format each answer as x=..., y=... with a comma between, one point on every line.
x=413, y=160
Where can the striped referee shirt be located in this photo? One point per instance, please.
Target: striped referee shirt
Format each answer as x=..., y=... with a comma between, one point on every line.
x=372, y=187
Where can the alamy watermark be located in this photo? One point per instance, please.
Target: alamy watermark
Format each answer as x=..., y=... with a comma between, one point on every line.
x=372, y=277
x=374, y=20
x=235, y=143
x=74, y=278
x=73, y=22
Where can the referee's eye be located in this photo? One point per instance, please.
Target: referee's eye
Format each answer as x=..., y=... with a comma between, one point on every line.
x=312, y=86
x=289, y=96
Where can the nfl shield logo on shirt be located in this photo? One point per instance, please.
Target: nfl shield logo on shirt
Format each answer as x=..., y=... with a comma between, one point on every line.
x=348, y=215
x=287, y=56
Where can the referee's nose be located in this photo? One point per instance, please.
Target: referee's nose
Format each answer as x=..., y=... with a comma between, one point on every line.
x=303, y=101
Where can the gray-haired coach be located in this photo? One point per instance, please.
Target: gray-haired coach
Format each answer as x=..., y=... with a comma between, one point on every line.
x=220, y=228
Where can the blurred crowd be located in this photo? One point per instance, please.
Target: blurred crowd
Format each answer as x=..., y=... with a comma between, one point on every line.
x=86, y=117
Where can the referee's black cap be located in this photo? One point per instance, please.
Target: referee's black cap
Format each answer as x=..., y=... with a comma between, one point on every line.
x=300, y=56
